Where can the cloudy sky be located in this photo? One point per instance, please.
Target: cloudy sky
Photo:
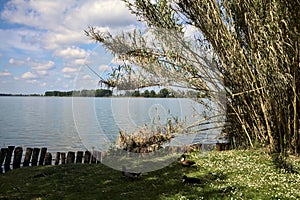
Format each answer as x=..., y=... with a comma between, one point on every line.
x=43, y=45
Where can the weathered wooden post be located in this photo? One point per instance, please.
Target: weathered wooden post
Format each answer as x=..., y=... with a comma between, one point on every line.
x=87, y=157
x=70, y=157
x=3, y=154
x=42, y=156
x=48, y=158
x=219, y=147
x=35, y=156
x=27, y=157
x=63, y=158
x=57, y=158
x=17, y=157
x=8, y=158
x=222, y=146
x=94, y=160
x=98, y=156
x=79, y=156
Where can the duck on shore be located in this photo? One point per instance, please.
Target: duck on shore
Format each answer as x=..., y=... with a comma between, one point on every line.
x=193, y=180
x=186, y=163
x=130, y=174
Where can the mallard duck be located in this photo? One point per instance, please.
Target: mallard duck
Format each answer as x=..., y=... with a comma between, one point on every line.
x=130, y=174
x=186, y=179
x=186, y=163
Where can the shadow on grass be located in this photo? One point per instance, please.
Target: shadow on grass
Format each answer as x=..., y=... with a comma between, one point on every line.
x=101, y=182
x=281, y=162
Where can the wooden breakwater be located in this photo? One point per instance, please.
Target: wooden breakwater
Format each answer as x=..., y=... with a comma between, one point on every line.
x=13, y=157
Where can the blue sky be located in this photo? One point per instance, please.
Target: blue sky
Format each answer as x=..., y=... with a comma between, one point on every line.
x=43, y=46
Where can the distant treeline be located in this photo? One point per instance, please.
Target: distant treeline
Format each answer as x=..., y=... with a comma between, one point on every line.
x=82, y=93
x=19, y=95
x=163, y=93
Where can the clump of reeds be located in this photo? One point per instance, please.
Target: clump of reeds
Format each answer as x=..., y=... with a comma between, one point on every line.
x=146, y=139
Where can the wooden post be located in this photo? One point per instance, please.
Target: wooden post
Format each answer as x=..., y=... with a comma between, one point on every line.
x=48, y=158
x=8, y=158
x=93, y=158
x=222, y=146
x=87, y=157
x=3, y=154
x=35, y=156
x=218, y=147
x=63, y=158
x=27, y=157
x=42, y=156
x=70, y=157
x=17, y=157
x=57, y=158
x=79, y=156
x=98, y=156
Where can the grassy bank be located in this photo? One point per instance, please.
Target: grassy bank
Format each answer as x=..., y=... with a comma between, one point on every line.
x=224, y=175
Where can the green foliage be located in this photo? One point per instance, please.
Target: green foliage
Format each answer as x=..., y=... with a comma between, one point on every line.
x=103, y=93
x=152, y=93
x=136, y=93
x=146, y=93
x=58, y=93
x=163, y=93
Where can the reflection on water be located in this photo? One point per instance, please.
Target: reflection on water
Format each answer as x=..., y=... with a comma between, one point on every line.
x=64, y=124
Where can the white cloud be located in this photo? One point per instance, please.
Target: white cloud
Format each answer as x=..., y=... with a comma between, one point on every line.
x=11, y=61
x=57, y=40
x=23, y=39
x=102, y=68
x=64, y=21
x=69, y=70
x=87, y=77
x=57, y=15
x=42, y=72
x=73, y=52
x=80, y=61
x=67, y=76
x=28, y=75
x=43, y=84
x=42, y=66
x=112, y=13
x=40, y=14
x=39, y=67
x=32, y=81
x=5, y=73
x=15, y=62
x=74, y=56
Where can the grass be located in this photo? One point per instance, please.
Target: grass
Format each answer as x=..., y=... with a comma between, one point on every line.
x=236, y=174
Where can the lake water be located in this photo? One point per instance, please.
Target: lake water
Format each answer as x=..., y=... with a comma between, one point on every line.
x=66, y=123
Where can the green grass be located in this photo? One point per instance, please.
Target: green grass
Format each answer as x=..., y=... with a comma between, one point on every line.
x=236, y=174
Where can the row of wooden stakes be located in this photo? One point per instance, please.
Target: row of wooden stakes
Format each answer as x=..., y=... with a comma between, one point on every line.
x=40, y=156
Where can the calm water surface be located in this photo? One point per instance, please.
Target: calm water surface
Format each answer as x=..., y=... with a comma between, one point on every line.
x=63, y=124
